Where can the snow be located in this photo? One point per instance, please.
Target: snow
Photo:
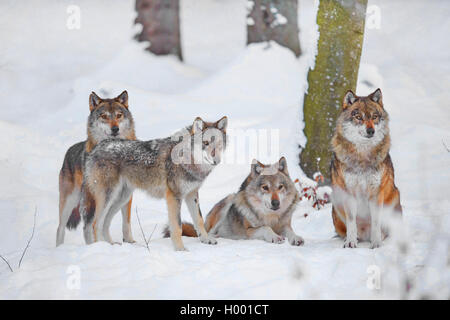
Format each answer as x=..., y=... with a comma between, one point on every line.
x=48, y=71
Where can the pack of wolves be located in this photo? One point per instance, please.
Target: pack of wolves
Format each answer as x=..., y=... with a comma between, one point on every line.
x=99, y=175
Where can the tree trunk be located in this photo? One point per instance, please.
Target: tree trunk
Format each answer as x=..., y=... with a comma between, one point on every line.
x=274, y=20
x=160, y=20
x=341, y=27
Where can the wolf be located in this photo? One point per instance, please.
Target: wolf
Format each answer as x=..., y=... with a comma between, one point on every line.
x=108, y=119
x=261, y=209
x=173, y=168
x=362, y=174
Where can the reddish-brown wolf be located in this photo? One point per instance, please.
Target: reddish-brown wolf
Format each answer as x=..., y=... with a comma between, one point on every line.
x=108, y=119
x=362, y=174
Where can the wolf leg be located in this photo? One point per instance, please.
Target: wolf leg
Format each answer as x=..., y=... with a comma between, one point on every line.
x=107, y=223
x=174, y=206
x=88, y=232
x=67, y=204
x=194, y=209
x=115, y=199
x=119, y=199
x=375, y=224
x=126, y=222
x=99, y=216
x=351, y=207
x=87, y=211
x=264, y=233
x=293, y=239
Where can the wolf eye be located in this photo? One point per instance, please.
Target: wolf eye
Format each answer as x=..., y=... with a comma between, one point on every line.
x=104, y=116
x=280, y=187
x=265, y=188
x=358, y=117
x=119, y=115
x=375, y=116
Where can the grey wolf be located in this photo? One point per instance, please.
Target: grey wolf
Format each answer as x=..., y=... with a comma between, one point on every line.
x=173, y=168
x=362, y=174
x=261, y=209
x=108, y=119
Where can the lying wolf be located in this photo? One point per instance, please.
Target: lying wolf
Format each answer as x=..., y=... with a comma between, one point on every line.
x=262, y=209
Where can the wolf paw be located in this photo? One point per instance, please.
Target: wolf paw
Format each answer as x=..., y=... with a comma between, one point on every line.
x=208, y=240
x=129, y=241
x=277, y=239
x=375, y=244
x=297, y=241
x=349, y=244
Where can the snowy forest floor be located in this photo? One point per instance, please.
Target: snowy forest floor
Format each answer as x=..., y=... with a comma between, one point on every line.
x=48, y=71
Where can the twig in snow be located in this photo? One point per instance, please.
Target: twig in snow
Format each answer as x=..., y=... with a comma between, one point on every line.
x=6, y=261
x=151, y=234
x=445, y=146
x=31, y=238
x=142, y=231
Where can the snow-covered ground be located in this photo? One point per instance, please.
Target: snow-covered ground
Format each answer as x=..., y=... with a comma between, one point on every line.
x=48, y=71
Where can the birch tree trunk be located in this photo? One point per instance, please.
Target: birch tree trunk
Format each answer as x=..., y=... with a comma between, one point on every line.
x=160, y=20
x=274, y=20
x=341, y=27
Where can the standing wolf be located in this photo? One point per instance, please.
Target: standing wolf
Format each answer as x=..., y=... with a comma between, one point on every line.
x=362, y=174
x=165, y=168
x=262, y=209
x=108, y=119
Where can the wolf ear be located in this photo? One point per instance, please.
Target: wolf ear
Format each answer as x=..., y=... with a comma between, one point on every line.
x=197, y=126
x=123, y=98
x=282, y=165
x=256, y=168
x=94, y=101
x=222, y=124
x=349, y=99
x=376, y=96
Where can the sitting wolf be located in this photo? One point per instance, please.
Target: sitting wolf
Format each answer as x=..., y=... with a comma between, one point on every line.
x=362, y=173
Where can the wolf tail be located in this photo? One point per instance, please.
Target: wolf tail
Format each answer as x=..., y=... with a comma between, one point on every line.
x=74, y=218
x=187, y=229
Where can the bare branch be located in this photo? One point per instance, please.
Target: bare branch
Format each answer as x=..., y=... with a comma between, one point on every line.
x=6, y=261
x=445, y=146
x=31, y=238
x=149, y=238
x=142, y=230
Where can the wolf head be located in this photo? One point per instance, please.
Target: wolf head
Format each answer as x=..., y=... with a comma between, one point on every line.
x=208, y=140
x=363, y=120
x=269, y=188
x=110, y=118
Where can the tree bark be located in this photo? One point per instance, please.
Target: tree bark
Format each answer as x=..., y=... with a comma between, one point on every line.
x=274, y=20
x=341, y=27
x=160, y=20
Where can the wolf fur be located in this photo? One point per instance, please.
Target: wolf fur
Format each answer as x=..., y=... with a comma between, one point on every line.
x=108, y=119
x=165, y=168
x=262, y=209
x=362, y=174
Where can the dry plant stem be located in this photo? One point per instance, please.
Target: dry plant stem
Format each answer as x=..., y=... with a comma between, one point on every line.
x=31, y=238
x=142, y=230
x=6, y=261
